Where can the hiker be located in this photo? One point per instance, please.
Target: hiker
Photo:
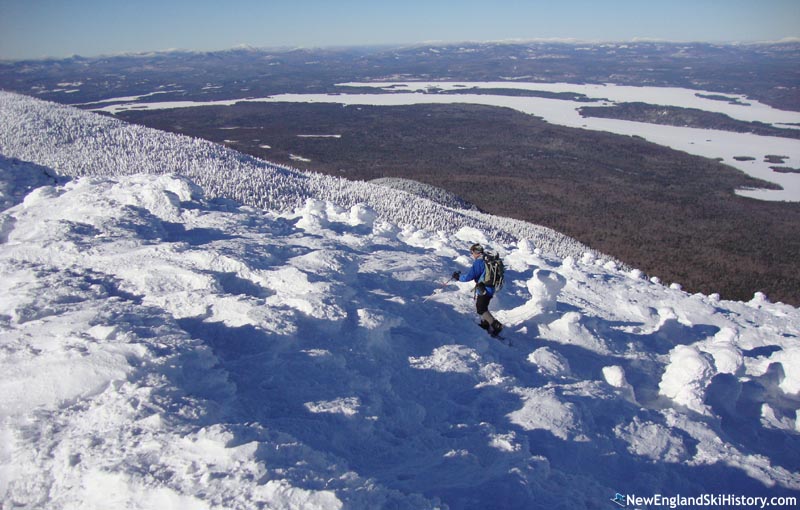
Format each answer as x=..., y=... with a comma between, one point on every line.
x=483, y=292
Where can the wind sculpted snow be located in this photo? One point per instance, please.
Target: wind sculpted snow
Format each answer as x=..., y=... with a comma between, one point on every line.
x=161, y=349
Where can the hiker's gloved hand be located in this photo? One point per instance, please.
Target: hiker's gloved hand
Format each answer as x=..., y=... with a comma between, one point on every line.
x=457, y=275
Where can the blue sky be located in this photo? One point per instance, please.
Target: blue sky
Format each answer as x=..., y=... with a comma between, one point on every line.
x=58, y=28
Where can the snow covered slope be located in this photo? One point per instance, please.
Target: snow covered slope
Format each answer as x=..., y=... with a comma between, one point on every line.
x=438, y=195
x=162, y=347
x=162, y=351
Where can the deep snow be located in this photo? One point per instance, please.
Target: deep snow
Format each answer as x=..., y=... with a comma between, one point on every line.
x=161, y=348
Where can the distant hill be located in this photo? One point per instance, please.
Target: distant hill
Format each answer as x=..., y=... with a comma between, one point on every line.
x=438, y=195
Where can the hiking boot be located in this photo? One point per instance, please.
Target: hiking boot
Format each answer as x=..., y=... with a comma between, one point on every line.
x=496, y=328
x=484, y=325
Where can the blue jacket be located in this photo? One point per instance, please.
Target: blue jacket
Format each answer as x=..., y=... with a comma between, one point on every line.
x=477, y=273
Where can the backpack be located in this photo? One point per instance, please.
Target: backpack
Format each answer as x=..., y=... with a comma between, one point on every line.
x=495, y=270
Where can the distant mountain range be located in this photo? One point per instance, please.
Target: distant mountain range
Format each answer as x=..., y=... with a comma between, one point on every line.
x=766, y=72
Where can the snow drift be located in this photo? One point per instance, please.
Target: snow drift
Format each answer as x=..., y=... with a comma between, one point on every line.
x=165, y=347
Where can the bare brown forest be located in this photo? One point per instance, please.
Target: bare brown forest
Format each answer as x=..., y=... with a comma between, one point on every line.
x=670, y=214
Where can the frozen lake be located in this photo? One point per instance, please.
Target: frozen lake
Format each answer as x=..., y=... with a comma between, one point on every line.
x=715, y=144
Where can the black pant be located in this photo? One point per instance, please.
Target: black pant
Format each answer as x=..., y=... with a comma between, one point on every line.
x=482, y=303
x=482, y=307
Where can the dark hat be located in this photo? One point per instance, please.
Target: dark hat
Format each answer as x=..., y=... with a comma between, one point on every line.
x=476, y=248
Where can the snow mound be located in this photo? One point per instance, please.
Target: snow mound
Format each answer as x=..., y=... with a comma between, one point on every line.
x=569, y=330
x=18, y=178
x=686, y=378
x=653, y=440
x=544, y=288
x=550, y=362
x=542, y=409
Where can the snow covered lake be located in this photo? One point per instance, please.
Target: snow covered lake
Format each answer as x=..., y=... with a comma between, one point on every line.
x=714, y=144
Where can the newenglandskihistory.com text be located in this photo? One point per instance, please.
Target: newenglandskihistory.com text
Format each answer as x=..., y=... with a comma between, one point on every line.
x=704, y=501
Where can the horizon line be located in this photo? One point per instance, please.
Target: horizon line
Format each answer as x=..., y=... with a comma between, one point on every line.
x=288, y=48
